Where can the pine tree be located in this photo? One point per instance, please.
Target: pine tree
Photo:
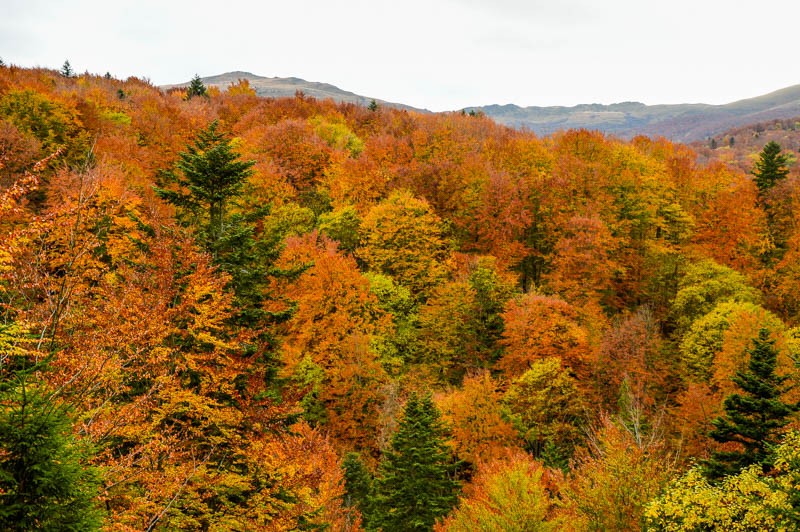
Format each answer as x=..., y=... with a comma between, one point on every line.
x=196, y=88
x=416, y=482
x=66, y=70
x=45, y=481
x=373, y=106
x=754, y=418
x=770, y=167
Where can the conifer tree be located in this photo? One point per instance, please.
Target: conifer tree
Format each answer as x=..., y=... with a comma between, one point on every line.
x=416, y=483
x=196, y=88
x=210, y=176
x=205, y=183
x=45, y=480
x=770, y=167
x=66, y=70
x=754, y=418
x=357, y=484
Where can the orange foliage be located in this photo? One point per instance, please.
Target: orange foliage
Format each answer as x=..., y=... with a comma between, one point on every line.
x=539, y=327
x=480, y=432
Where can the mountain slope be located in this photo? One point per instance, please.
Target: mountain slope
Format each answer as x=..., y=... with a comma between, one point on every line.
x=678, y=122
x=287, y=87
x=681, y=122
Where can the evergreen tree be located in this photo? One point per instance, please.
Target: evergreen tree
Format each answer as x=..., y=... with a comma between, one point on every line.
x=357, y=484
x=210, y=176
x=206, y=182
x=45, y=481
x=196, y=88
x=373, y=106
x=66, y=70
x=416, y=483
x=754, y=418
x=770, y=167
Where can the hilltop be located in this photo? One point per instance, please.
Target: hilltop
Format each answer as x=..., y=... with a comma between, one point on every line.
x=286, y=87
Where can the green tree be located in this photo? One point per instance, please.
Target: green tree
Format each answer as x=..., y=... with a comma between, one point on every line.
x=66, y=70
x=748, y=501
x=416, y=483
x=770, y=167
x=209, y=176
x=357, y=484
x=196, y=88
x=206, y=182
x=45, y=480
x=753, y=419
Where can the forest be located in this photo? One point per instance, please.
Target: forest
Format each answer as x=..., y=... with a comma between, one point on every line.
x=226, y=312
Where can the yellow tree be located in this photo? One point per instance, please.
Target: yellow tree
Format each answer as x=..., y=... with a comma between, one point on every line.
x=402, y=237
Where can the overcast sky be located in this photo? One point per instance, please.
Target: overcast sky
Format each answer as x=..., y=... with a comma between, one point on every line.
x=436, y=54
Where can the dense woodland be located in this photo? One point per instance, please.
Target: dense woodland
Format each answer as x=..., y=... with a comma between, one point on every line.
x=224, y=312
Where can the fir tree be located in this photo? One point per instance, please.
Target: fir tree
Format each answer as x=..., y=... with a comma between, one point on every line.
x=66, y=70
x=416, y=483
x=357, y=484
x=373, y=106
x=196, y=88
x=210, y=176
x=205, y=183
x=754, y=418
x=45, y=481
x=770, y=167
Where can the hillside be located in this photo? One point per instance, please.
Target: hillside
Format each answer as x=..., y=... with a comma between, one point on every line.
x=680, y=123
x=287, y=87
x=740, y=146
x=226, y=312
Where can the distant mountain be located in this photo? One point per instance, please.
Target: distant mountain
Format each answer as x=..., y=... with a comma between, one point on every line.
x=681, y=122
x=287, y=87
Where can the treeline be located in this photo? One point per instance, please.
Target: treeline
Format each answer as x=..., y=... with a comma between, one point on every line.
x=224, y=312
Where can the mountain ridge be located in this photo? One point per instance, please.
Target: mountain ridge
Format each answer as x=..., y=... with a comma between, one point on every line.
x=678, y=122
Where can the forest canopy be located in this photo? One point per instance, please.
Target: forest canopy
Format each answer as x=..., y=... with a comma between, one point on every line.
x=226, y=312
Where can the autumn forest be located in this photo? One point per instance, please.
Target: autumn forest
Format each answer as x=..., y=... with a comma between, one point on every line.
x=226, y=312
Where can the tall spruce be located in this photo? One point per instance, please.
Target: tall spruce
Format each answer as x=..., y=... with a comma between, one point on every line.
x=204, y=185
x=770, y=167
x=210, y=176
x=416, y=480
x=755, y=417
x=196, y=88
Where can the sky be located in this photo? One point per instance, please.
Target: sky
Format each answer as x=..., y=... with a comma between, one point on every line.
x=435, y=54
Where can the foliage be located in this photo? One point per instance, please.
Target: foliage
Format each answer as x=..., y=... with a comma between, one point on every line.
x=547, y=409
x=749, y=500
x=479, y=430
x=403, y=238
x=509, y=494
x=705, y=285
x=539, y=327
x=613, y=480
